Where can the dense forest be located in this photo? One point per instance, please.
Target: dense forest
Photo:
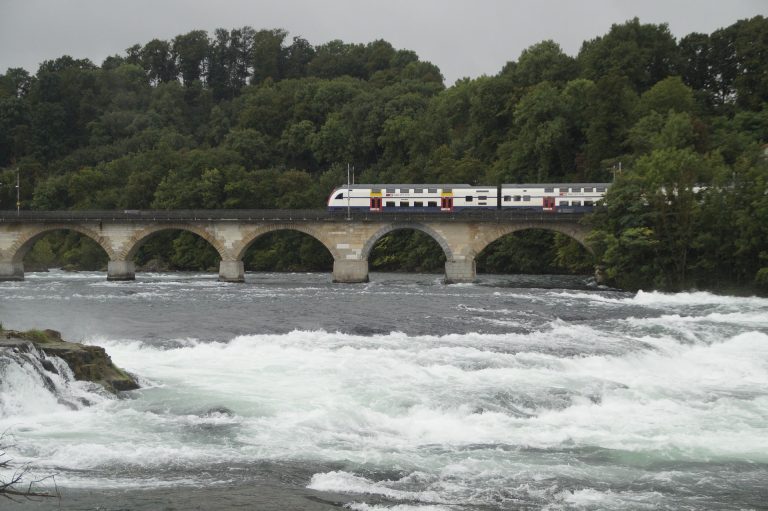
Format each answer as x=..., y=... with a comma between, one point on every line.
x=248, y=118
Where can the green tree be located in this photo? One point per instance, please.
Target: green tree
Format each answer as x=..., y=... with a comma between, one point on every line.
x=544, y=62
x=668, y=94
x=643, y=53
x=158, y=60
x=268, y=55
x=191, y=50
x=646, y=233
x=612, y=110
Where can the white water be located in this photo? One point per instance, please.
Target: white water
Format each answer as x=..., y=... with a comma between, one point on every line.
x=616, y=413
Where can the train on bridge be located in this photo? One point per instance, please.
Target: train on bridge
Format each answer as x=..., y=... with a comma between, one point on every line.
x=437, y=198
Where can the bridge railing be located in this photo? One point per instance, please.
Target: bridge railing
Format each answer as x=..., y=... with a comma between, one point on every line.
x=264, y=215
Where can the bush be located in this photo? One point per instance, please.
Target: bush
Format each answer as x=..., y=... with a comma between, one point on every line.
x=761, y=279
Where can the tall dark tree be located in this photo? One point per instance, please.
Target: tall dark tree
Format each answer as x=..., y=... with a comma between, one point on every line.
x=159, y=61
x=267, y=56
x=229, y=61
x=612, y=110
x=15, y=83
x=751, y=45
x=191, y=50
x=296, y=58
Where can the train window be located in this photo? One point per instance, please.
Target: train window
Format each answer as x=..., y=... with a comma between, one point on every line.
x=549, y=190
x=432, y=204
x=588, y=189
x=418, y=204
x=589, y=203
x=577, y=190
x=340, y=196
x=403, y=203
x=469, y=198
x=376, y=190
x=390, y=190
x=390, y=204
x=483, y=197
x=600, y=188
x=564, y=203
x=526, y=198
x=518, y=198
x=432, y=190
x=405, y=190
x=576, y=203
x=507, y=198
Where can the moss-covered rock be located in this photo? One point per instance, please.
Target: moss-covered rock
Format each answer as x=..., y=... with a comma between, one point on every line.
x=90, y=363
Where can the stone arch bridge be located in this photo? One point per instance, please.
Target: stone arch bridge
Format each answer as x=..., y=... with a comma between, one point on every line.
x=462, y=236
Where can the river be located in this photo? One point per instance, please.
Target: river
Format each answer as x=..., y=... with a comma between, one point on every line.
x=289, y=392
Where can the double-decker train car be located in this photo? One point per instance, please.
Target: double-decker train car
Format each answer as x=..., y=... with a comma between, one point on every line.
x=563, y=197
x=436, y=198
x=414, y=197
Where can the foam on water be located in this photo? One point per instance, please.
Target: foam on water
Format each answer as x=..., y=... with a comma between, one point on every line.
x=382, y=399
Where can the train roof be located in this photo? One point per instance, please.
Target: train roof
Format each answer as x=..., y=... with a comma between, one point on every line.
x=463, y=185
x=550, y=185
x=412, y=185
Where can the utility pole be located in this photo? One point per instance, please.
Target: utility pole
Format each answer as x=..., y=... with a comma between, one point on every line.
x=18, y=200
x=614, y=170
x=349, y=192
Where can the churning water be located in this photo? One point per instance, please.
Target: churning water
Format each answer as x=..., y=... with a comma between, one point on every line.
x=402, y=394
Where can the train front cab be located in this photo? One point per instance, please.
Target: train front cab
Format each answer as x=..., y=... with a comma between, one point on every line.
x=376, y=204
x=446, y=200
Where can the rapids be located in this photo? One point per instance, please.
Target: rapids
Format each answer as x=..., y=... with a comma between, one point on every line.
x=401, y=394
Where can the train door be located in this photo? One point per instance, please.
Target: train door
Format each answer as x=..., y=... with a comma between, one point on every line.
x=549, y=203
x=446, y=201
x=375, y=201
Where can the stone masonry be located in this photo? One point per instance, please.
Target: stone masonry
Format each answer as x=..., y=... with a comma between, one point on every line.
x=349, y=241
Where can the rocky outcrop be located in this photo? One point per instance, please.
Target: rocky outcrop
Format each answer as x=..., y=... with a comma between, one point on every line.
x=90, y=363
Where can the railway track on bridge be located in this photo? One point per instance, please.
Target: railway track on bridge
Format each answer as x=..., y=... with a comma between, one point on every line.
x=278, y=215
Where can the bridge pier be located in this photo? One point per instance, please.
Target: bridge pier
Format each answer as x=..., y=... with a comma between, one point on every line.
x=460, y=271
x=121, y=270
x=350, y=271
x=231, y=271
x=11, y=271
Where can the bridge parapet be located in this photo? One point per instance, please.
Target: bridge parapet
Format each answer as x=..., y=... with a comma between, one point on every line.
x=277, y=215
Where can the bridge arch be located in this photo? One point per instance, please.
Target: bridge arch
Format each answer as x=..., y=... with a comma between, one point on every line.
x=488, y=236
x=426, y=229
x=250, y=238
x=138, y=238
x=26, y=241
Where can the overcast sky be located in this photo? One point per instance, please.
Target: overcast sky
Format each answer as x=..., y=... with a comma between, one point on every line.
x=464, y=38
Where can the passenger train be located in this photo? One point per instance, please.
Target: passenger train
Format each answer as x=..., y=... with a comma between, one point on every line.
x=425, y=198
